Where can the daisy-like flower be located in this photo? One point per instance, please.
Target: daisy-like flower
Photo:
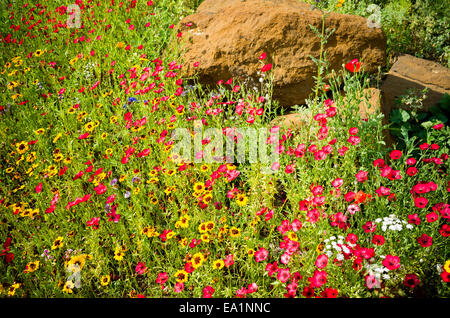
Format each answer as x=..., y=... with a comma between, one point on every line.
x=104, y=280
x=57, y=243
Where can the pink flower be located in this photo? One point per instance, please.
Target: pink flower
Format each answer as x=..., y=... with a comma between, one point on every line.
x=228, y=261
x=208, y=291
x=262, y=56
x=140, y=268
x=391, y=262
x=179, y=287
x=371, y=282
x=337, y=182
x=283, y=275
x=361, y=176
x=261, y=255
x=319, y=278
x=162, y=278
x=322, y=261
x=272, y=268
x=289, y=169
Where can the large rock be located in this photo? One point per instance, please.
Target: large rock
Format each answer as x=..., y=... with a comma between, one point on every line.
x=227, y=37
x=409, y=72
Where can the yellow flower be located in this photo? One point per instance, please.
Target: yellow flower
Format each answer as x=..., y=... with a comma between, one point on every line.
x=104, y=280
x=12, y=289
x=113, y=119
x=76, y=263
x=241, y=199
x=89, y=126
x=235, y=232
x=22, y=147
x=118, y=254
x=199, y=187
x=68, y=287
x=40, y=131
x=120, y=45
x=32, y=266
x=58, y=243
x=104, y=135
x=59, y=135
x=182, y=276
x=38, y=53
x=205, y=238
x=219, y=264
x=447, y=266
x=197, y=260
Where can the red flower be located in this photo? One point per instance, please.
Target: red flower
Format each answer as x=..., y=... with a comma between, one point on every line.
x=353, y=66
x=396, y=154
x=425, y=240
x=266, y=68
x=378, y=240
x=411, y=171
x=262, y=56
x=411, y=280
x=308, y=292
x=420, y=202
x=391, y=262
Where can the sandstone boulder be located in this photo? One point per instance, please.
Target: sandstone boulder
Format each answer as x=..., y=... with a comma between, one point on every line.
x=409, y=72
x=227, y=37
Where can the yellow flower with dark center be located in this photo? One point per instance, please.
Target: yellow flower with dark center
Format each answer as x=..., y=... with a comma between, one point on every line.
x=122, y=178
x=68, y=286
x=22, y=147
x=154, y=200
x=76, y=263
x=108, y=152
x=12, y=289
x=210, y=226
x=207, y=198
x=71, y=110
x=205, y=238
x=31, y=156
x=204, y=168
x=104, y=280
x=38, y=53
x=9, y=170
x=58, y=157
x=202, y=227
x=170, y=235
x=89, y=126
x=181, y=276
x=235, y=232
x=199, y=187
x=250, y=252
x=171, y=172
x=293, y=236
x=241, y=199
x=118, y=254
x=32, y=266
x=113, y=119
x=39, y=131
x=197, y=260
x=219, y=264
x=58, y=243
x=104, y=135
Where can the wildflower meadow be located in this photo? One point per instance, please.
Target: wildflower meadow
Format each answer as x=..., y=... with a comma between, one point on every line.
x=120, y=178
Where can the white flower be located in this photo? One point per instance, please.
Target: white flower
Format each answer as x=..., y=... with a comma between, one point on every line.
x=340, y=257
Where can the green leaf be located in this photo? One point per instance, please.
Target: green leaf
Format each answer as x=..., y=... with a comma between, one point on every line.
x=399, y=116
